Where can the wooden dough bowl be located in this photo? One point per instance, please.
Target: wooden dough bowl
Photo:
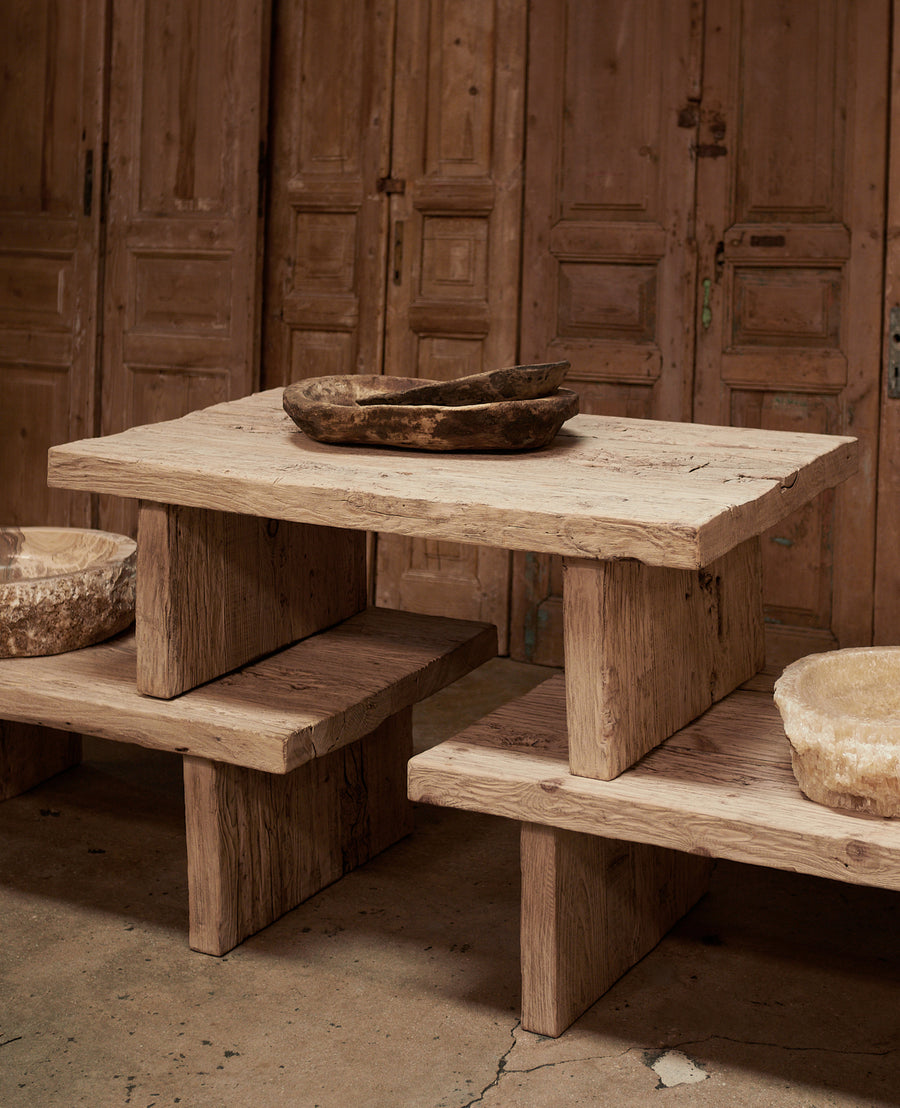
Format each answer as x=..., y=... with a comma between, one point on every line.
x=841, y=714
x=326, y=409
x=62, y=588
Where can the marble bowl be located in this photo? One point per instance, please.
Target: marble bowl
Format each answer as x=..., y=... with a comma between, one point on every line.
x=62, y=588
x=841, y=714
x=326, y=409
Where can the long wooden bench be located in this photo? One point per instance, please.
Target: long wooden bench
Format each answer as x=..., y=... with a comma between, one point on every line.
x=722, y=787
x=294, y=766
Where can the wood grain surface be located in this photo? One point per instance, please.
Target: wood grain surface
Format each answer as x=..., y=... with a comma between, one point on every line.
x=259, y=844
x=648, y=648
x=721, y=787
x=287, y=709
x=591, y=908
x=216, y=590
x=673, y=494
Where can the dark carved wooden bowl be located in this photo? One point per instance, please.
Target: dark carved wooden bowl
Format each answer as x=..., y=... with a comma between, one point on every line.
x=327, y=410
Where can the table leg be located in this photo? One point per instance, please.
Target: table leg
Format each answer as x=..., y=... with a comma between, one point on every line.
x=259, y=843
x=216, y=590
x=591, y=909
x=648, y=649
x=29, y=754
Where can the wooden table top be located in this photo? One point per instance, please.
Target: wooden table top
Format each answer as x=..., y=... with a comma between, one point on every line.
x=674, y=494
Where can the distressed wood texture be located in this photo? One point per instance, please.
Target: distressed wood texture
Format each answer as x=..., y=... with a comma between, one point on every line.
x=51, y=142
x=722, y=786
x=274, y=715
x=790, y=242
x=673, y=494
x=608, y=274
x=326, y=233
x=711, y=249
x=591, y=909
x=649, y=648
x=216, y=590
x=887, y=555
x=260, y=844
x=30, y=754
x=187, y=118
x=608, y=280
x=294, y=767
x=452, y=295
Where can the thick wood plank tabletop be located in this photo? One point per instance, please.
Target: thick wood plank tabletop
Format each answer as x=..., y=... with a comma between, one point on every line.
x=674, y=494
x=722, y=786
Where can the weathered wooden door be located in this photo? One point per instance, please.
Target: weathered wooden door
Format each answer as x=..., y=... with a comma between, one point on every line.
x=781, y=255
x=326, y=241
x=51, y=142
x=608, y=274
x=887, y=561
x=790, y=215
x=187, y=119
x=393, y=238
x=452, y=293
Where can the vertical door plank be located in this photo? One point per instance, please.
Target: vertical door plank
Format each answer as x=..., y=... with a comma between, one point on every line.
x=217, y=590
x=182, y=298
x=790, y=205
x=327, y=229
x=887, y=563
x=609, y=262
x=52, y=57
x=452, y=297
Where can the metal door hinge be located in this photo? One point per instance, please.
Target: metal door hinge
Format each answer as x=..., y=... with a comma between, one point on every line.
x=894, y=355
x=392, y=185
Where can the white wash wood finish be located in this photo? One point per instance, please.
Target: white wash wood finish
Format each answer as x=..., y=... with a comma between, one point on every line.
x=722, y=787
x=669, y=494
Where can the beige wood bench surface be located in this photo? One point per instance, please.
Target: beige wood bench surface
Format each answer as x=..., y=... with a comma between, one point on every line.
x=721, y=787
x=294, y=766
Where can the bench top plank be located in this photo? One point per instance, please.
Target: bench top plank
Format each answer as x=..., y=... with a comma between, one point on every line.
x=676, y=494
x=722, y=786
x=273, y=715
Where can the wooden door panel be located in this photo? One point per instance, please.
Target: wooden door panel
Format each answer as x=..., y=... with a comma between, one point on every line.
x=887, y=565
x=452, y=298
x=608, y=269
x=790, y=213
x=51, y=61
x=187, y=112
x=327, y=230
x=608, y=274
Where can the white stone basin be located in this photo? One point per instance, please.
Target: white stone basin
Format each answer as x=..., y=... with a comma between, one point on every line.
x=841, y=714
x=62, y=588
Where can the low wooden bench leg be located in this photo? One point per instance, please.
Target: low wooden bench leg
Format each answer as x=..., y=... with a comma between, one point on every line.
x=259, y=843
x=591, y=909
x=30, y=754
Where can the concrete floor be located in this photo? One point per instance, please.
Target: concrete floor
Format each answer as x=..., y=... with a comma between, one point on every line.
x=399, y=985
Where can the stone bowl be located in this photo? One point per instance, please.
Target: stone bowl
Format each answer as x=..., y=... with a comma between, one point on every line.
x=841, y=714
x=326, y=409
x=62, y=588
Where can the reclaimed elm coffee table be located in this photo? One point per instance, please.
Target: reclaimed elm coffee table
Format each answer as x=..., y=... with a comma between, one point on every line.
x=659, y=526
